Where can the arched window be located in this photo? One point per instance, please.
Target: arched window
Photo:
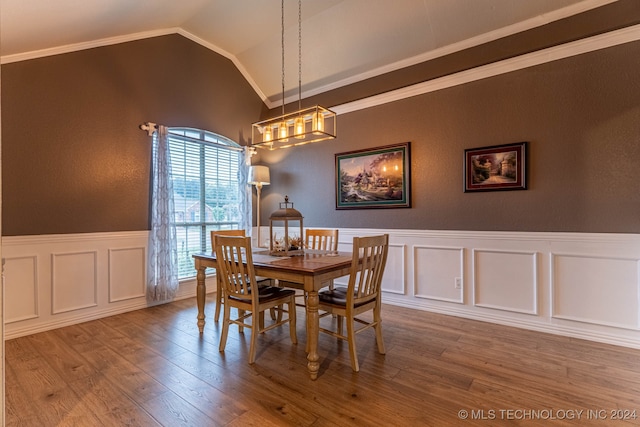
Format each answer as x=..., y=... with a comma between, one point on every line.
x=206, y=190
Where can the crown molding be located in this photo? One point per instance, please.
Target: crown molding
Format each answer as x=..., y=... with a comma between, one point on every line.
x=58, y=50
x=507, y=31
x=567, y=50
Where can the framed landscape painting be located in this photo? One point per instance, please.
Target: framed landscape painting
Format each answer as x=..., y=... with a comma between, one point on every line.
x=374, y=178
x=499, y=167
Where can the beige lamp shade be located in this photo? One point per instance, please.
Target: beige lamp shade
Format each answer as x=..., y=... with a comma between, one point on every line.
x=259, y=175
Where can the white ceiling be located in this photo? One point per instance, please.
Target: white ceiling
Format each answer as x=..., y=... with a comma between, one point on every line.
x=343, y=41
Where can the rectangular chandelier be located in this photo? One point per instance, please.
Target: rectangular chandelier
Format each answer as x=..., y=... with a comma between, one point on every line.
x=300, y=127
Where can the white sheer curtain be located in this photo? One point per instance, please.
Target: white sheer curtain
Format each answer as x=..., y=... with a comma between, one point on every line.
x=246, y=207
x=162, y=278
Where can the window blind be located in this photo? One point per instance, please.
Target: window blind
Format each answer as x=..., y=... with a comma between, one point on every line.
x=205, y=189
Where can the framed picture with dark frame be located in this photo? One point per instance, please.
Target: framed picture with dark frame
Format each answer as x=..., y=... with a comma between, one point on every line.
x=499, y=167
x=374, y=178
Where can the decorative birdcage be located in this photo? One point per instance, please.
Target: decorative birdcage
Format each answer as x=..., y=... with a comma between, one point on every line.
x=286, y=239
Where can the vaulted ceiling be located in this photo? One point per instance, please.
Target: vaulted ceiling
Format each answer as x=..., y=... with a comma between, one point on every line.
x=343, y=41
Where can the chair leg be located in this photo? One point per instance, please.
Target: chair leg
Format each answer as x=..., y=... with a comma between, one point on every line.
x=225, y=327
x=351, y=337
x=340, y=321
x=254, y=339
x=292, y=320
x=219, y=298
x=331, y=287
x=378, y=319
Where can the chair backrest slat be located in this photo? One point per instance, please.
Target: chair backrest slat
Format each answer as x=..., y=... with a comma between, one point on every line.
x=235, y=263
x=214, y=233
x=320, y=239
x=367, y=266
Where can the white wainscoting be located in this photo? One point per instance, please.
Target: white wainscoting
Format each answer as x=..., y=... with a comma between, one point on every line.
x=58, y=280
x=581, y=285
x=574, y=284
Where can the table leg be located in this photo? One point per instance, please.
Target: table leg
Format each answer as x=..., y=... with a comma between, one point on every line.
x=313, y=326
x=201, y=292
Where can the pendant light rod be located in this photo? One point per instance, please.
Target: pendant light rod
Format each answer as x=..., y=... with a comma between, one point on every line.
x=300, y=127
x=299, y=54
x=282, y=42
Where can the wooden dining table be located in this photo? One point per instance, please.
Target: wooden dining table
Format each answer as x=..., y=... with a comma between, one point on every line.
x=309, y=271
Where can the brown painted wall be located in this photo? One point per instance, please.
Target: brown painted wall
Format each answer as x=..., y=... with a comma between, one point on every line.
x=75, y=161
x=580, y=115
x=73, y=157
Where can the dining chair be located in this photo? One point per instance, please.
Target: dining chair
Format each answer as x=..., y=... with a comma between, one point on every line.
x=317, y=239
x=361, y=295
x=241, y=291
x=262, y=281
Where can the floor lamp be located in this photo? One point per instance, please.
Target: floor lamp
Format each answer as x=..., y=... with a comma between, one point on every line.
x=258, y=176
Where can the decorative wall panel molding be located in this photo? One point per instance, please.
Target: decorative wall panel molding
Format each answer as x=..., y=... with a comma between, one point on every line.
x=438, y=273
x=602, y=290
x=505, y=280
x=21, y=286
x=74, y=282
x=127, y=271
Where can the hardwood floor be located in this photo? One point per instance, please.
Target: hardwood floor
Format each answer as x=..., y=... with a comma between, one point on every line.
x=151, y=368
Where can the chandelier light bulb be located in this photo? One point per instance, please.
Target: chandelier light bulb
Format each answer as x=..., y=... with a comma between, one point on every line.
x=268, y=134
x=283, y=131
x=298, y=127
x=317, y=123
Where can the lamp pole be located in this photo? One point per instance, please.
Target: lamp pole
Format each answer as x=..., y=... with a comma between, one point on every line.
x=259, y=176
x=258, y=191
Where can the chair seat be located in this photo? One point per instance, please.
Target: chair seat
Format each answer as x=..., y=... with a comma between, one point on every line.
x=338, y=297
x=268, y=293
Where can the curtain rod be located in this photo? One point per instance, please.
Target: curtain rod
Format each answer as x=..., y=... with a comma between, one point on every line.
x=151, y=127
